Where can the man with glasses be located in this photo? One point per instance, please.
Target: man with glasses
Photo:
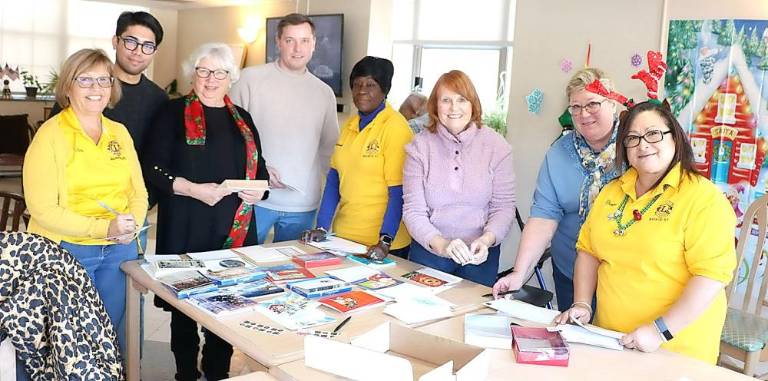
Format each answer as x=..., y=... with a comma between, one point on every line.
x=296, y=116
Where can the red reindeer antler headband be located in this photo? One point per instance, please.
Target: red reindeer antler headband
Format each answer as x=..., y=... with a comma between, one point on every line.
x=597, y=87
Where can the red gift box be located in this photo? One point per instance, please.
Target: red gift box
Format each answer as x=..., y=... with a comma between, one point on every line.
x=539, y=346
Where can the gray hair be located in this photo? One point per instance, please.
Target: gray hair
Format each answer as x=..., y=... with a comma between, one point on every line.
x=216, y=51
x=584, y=77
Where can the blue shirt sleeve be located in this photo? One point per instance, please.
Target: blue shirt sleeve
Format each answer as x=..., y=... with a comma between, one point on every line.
x=330, y=200
x=394, y=212
x=545, y=199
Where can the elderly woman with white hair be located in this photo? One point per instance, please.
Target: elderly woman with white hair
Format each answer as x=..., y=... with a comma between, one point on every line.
x=199, y=141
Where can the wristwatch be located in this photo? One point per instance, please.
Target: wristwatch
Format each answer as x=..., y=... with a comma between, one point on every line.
x=386, y=239
x=661, y=326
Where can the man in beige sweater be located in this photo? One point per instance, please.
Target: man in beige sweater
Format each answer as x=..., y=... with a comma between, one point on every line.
x=295, y=114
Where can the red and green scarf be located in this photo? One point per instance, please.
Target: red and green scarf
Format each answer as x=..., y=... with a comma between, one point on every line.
x=194, y=123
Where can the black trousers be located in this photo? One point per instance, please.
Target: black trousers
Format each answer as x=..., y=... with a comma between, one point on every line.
x=185, y=344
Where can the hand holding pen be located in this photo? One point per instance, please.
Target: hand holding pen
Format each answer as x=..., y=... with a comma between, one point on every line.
x=122, y=228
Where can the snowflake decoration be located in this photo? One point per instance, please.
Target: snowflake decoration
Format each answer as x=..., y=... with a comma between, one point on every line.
x=566, y=65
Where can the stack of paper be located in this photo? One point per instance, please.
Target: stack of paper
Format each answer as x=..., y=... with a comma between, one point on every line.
x=488, y=330
x=260, y=254
x=434, y=280
x=590, y=335
x=340, y=246
x=416, y=306
x=524, y=311
x=352, y=274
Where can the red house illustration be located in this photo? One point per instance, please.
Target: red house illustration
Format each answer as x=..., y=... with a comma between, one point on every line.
x=722, y=119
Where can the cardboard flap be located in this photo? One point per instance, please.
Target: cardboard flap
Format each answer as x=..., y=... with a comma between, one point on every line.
x=442, y=373
x=475, y=369
x=423, y=346
x=376, y=339
x=340, y=359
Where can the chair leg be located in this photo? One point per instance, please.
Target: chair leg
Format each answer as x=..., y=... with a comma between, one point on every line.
x=542, y=284
x=750, y=363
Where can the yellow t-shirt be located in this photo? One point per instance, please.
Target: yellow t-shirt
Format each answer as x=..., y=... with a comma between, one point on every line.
x=687, y=232
x=368, y=162
x=66, y=175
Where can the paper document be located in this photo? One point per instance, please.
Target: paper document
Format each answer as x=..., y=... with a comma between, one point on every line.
x=352, y=274
x=488, y=330
x=522, y=310
x=213, y=254
x=340, y=246
x=590, y=335
x=261, y=254
x=245, y=185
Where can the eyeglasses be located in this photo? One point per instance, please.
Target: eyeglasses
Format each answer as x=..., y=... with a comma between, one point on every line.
x=652, y=136
x=591, y=107
x=88, y=82
x=131, y=44
x=205, y=73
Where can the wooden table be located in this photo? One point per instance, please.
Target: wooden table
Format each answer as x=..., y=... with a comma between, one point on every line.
x=267, y=349
x=586, y=363
x=255, y=376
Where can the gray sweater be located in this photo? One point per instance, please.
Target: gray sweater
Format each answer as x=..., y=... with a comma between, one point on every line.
x=295, y=115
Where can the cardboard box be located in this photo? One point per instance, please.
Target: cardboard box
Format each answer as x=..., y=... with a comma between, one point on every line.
x=394, y=352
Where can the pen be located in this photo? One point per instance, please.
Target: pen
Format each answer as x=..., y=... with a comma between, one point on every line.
x=502, y=293
x=338, y=327
x=107, y=207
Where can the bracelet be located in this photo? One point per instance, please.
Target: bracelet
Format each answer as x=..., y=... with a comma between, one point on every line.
x=583, y=304
x=661, y=326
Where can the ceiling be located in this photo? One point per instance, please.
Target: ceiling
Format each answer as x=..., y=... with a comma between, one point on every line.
x=185, y=4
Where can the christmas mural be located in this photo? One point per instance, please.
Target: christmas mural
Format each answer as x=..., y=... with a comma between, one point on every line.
x=717, y=85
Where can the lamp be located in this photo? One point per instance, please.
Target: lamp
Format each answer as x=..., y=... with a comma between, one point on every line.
x=250, y=30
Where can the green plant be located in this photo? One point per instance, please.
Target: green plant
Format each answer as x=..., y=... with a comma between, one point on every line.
x=497, y=119
x=30, y=80
x=53, y=79
x=172, y=90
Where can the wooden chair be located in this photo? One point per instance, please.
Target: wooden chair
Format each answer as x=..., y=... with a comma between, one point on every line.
x=14, y=210
x=745, y=333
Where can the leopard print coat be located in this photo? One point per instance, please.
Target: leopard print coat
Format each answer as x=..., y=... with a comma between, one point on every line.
x=52, y=313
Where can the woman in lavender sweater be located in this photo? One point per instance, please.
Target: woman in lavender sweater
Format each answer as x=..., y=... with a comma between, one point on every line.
x=458, y=185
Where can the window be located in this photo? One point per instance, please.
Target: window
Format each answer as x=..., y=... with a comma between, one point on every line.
x=432, y=37
x=38, y=35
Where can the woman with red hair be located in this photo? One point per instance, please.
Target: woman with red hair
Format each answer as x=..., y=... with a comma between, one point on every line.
x=458, y=186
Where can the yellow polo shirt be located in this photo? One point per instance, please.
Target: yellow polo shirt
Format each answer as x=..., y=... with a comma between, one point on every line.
x=687, y=232
x=368, y=162
x=66, y=175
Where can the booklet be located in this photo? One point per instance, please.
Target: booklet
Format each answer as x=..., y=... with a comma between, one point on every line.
x=317, y=259
x=319, y=287
x=488, y=330
x=186, y=283
x=378, y=281
x=352, y=301
x=221, y=303
x=386, y=262
x=235, y=275
x=289, y=275
x=340, y=246
x=256, y=289
x=435, y=279
x=260, y=254
x=161, y=267
x=294, y=312
x=419, y=307
x=353, y=274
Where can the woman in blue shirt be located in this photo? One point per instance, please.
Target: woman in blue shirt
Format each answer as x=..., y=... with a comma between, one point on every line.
x=574, y=170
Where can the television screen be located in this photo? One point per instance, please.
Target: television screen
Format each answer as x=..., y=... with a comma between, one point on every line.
x=326, y=61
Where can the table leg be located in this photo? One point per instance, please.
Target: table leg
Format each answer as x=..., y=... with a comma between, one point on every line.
x=132, y=329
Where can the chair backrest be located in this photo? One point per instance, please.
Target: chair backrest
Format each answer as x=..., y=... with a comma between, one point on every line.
x=13, y=211
x=16, y=132
x=756, y=216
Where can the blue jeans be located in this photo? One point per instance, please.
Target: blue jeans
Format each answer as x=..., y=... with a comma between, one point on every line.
x=484, y=273
x=102, y=262
x=288, y=225
x=564, y=291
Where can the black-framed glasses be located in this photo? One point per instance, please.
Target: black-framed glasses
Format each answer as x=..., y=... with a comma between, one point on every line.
x=652, y=136
x=205, y=73
x=131, y=44
x=591, y=107
x=88, y=82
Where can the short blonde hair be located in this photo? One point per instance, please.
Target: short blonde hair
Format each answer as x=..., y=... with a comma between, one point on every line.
x=584, y=77
x=78, y=63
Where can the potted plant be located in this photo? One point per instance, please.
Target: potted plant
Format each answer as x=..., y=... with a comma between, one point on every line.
x=53, y=79
x=31, y=84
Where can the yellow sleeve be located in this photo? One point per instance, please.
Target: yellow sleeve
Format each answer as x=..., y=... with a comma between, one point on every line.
x=44, y=161
x=138, y=202
x=397, y=136
x=709, y=237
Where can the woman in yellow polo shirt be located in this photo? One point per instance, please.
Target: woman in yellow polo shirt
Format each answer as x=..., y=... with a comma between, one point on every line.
x=363, y=195
x=657, y=244
x=82, y=180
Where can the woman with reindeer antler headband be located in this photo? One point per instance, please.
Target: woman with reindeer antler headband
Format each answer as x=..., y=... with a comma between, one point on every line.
x=574, y=170
x=661, y=258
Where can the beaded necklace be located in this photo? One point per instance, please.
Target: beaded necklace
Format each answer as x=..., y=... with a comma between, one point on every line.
x=637, y=215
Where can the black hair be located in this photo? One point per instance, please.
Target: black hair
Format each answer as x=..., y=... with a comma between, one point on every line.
x=144, y=19
x=380, y=69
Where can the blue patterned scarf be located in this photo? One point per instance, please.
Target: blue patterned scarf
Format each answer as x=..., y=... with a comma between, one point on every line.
x=599, y=169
